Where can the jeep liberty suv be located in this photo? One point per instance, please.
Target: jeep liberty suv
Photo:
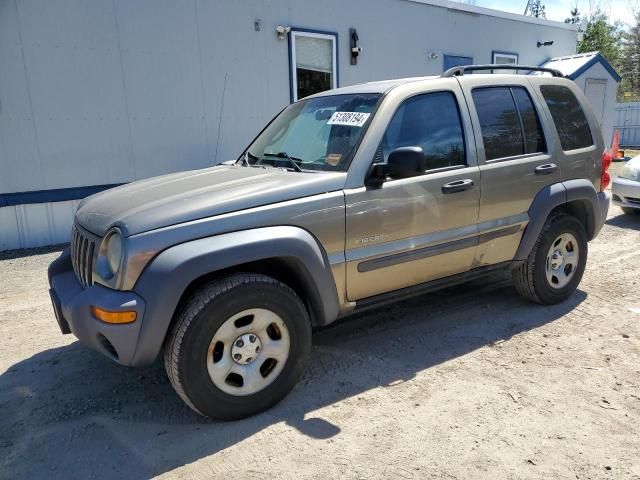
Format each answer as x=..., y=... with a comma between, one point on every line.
x=347, y=200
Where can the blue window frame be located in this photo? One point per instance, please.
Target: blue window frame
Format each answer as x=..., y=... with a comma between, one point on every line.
x=450, y=61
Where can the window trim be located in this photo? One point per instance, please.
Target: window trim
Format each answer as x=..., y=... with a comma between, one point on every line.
x=464, y=135
x=499, y=53
x=303, y=32
x=515, y=104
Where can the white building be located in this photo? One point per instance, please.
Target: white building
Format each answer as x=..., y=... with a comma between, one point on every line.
x=97, y=93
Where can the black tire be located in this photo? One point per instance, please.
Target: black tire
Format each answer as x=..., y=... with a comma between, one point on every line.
x=530, y=277
x=185, y=352
x=630, y=211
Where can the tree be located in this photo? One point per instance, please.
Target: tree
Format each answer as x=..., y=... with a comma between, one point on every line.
x=600, y=35
x=574, y=19
x=630, y=61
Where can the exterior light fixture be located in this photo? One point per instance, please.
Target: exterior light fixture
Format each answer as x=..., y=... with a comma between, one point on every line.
x=545, y=44
x=355, y=49
x=282, y=31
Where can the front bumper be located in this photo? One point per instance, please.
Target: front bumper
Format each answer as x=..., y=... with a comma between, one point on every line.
x=626, y=193
x=72, y=306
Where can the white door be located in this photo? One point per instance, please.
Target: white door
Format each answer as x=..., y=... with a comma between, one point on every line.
x=595, y=90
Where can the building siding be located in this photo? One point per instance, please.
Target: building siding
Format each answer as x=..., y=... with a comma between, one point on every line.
x=104, y=92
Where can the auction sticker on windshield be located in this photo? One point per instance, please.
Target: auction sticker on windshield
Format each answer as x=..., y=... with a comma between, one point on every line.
x=352, y=119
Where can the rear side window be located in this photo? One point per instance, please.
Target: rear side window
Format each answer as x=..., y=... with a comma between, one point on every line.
x=533, y=136
x=431, y=121
x=571, y=122
x=509, y=122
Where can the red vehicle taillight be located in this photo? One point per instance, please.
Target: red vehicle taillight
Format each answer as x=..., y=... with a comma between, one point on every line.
x=605, y=177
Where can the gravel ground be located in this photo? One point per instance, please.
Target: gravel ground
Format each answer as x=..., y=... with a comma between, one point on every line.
x=471, y=382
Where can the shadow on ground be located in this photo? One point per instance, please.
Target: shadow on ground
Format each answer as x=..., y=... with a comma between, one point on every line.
x=69, y=412
x=28, y=252
x=628, y=221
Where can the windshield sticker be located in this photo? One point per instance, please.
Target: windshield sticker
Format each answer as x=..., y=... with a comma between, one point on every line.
x=333, y=159
x=351, y=119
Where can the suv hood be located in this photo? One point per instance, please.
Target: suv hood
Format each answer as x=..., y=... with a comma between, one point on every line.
x=181, y=197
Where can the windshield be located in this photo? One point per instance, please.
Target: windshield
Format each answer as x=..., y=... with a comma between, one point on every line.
x=316, y=134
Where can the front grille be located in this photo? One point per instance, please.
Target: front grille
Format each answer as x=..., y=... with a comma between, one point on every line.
x=633, y=200
x=82, y=250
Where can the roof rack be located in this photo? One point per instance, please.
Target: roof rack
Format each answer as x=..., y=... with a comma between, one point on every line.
x=459, y=71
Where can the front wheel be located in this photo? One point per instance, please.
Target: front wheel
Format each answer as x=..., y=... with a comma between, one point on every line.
x=238, y=347
x=555, y=266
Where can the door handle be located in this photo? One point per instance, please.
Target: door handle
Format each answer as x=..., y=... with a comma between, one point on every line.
x=546, y=169
x=457, y=186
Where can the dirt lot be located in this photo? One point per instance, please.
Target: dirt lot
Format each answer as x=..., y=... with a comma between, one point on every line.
x=466, y=383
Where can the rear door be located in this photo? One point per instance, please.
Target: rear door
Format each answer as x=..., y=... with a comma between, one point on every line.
x=515, y=160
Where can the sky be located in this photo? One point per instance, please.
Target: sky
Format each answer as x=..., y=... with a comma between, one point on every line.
x=560, y=9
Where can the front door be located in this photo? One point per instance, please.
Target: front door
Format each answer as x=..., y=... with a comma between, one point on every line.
x=412, y=230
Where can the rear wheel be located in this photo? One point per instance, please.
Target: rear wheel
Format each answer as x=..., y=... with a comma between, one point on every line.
x=555, y=266
x=238, y=347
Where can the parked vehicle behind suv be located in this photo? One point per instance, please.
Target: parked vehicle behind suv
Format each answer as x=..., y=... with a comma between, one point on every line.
x=347, y=200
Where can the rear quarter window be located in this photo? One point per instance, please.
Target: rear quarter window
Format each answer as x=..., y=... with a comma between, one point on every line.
x=571, y=122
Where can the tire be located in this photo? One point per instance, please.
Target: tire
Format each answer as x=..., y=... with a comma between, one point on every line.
x=630, y=211
x=535, y=279
x=200, y=347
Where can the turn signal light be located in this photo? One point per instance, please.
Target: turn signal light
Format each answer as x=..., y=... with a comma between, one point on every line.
x=108, y=316
x=605, y=177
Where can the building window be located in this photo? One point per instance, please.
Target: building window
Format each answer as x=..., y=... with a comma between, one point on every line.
x=314, y=63
x=450, y=61
x=506, y=58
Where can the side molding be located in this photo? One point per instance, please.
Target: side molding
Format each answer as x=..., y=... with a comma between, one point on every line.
x=166, y=278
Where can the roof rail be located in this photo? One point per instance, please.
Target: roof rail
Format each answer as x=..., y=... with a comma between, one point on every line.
x=459, y=71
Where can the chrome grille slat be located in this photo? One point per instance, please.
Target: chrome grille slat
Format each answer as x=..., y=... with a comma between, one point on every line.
x=82, y=251
x=89, y=265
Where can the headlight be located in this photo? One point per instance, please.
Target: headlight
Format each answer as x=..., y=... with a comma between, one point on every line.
x=113, y=251
x=631, y=172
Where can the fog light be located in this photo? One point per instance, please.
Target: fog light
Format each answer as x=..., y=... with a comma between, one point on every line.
x=107, y=316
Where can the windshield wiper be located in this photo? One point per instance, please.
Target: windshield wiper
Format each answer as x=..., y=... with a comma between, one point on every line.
x=292, y=160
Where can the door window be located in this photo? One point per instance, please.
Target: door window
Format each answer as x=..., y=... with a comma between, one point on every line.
x=499, y=122
x=314, y=66
x=430, y=121
x=571, y=122
x=509, y=122
x=533, y=136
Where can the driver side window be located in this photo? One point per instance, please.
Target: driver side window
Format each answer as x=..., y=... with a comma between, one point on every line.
x=430, y=121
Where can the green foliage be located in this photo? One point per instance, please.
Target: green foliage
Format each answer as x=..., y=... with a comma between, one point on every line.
x=600, y=35
x=574, y=19
x=629, y=64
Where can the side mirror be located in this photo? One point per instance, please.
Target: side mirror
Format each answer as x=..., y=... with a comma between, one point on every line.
x=377, y=175
x=405, y=162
